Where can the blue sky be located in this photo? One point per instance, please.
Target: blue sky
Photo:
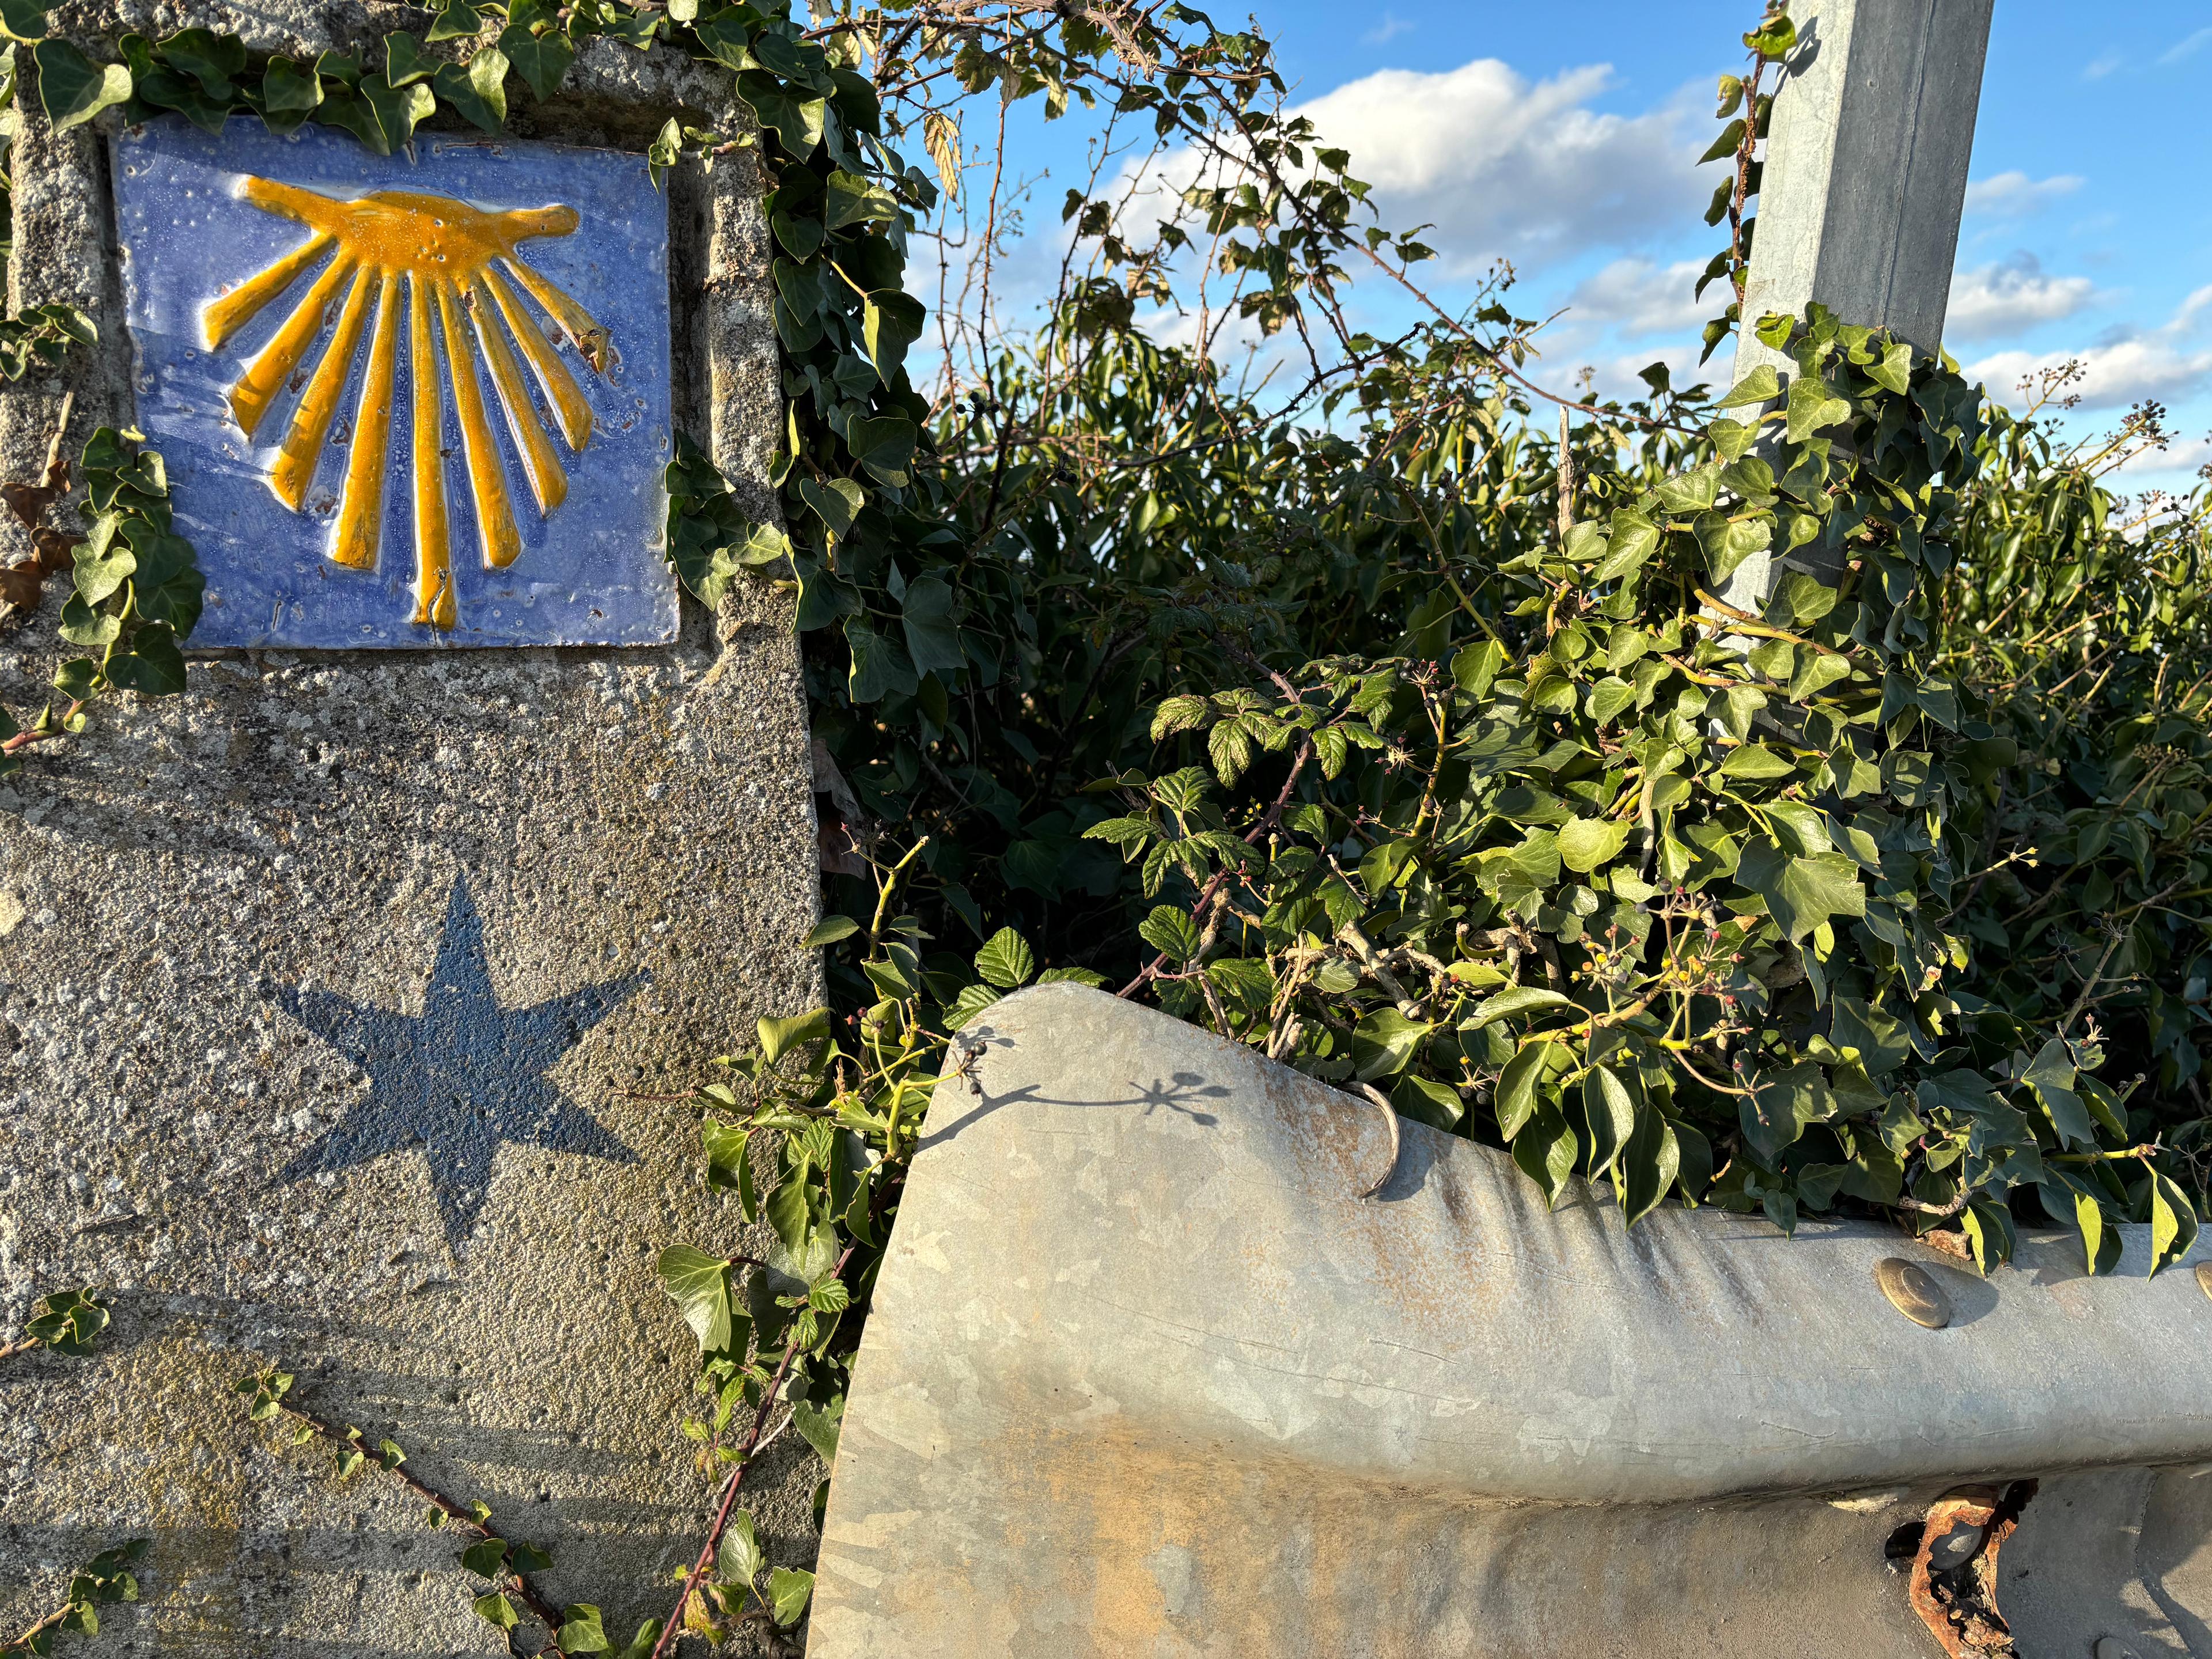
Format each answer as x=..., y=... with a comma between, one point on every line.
x=1564, y=138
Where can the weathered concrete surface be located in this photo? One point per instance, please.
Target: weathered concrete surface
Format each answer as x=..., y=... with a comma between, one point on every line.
x=206, y=906
x=1144, y=1377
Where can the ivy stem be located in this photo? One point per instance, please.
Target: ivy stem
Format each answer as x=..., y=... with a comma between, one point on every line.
x=730, y=1487
x=540, y=1609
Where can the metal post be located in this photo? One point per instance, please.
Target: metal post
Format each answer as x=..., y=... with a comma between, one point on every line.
x=1865, y=178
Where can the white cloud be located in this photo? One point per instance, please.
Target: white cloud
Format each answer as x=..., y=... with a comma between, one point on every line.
x=2174, y=466
x=1388, y=30
x=2102, y=65
x=1502, y=165
x=2189, y=46
x=1640, y=298
x=2166, y=362
x=2012, y=296
x=2013, y=194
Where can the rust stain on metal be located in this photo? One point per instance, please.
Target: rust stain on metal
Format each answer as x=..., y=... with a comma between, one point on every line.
x=1954, y=1571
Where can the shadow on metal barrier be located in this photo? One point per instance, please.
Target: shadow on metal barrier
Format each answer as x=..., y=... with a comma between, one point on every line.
x=1144, y=1377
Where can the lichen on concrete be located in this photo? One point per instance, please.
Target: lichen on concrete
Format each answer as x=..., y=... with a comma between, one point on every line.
x=299, y=820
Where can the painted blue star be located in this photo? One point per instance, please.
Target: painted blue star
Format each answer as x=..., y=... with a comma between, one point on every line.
x=460, y=1077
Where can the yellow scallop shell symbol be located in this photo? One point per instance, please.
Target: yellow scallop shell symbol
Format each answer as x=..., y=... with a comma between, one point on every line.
x=460, y=272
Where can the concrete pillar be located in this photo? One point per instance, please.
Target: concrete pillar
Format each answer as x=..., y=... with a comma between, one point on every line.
x=1865, y=177
x=344, y=1000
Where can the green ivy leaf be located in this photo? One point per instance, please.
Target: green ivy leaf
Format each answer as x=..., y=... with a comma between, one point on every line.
x=932, y=638
x=853, y=200
x=2172, y=1222
x=884, y=445
x=455, y=22
x=476, y=92
x=496, y=1609
x=829, y=930
x=778, y=1037
x=835, y=501
x=789, y=1589
x=486, y=1558
x=1761, y=386
x=796, y=122
x=1648, y=1164
x=1587, y=843
x=1801, y=893
x=23, y=19
x=1520, y=999
x=581, y=1630
x=72, y=89
x=540, y=59
x=1812, y=407
x=699, y=1285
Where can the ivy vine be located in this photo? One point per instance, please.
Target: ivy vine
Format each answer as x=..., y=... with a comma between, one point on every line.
x=1359, y=722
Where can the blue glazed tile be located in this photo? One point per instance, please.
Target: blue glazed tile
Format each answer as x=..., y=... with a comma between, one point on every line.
x=201, y=218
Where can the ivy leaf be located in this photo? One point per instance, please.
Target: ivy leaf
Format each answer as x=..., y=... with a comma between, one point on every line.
x=72, y=89
x=892, y=322
x=1006, y=960
x=1801, y=893
x=1649, y=1163
x=1609, y=1111
x=581, y=1630
x=2172, y=1222
x=153, y=667
x=404, y=60
x=1521, y=1000
x=1895, y=372
x=496, y=1609
x=880, y=667
x=1812, y=406
x=454, y=21
x=699, y=1285
x=788, y=1591
x=1384, y=1043
x=853, y=200
x=1761, y=386
x=2050, y=1075
x=1782, y=1105
x=1754, y=762
x=540, y=59
x=478, y=91
x=796, y=122
x=487, y=1558
x=835, y=501
x=23, y=19
x=1516, y=1099
x=820, y=1423
x=829, y=930
x=2101, y=1245
x=933, y=640
x=1548, y=1152
x=778, y=1037
x=289, y=93
x=884, y=445
x=1586, y=844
